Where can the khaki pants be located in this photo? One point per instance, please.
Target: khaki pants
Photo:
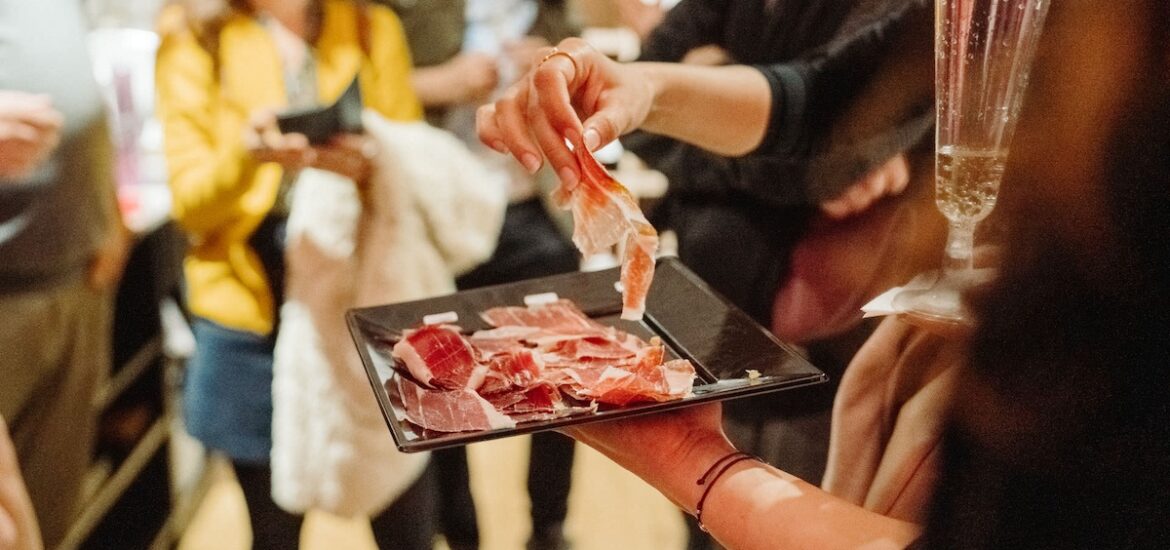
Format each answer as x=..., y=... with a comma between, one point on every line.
x=54, y=354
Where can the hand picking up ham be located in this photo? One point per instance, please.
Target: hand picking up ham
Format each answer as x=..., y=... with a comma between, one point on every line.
x=538, y=363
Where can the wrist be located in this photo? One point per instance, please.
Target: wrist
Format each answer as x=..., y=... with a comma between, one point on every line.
x=657, y=107
x=690, y=465
x=715, y=473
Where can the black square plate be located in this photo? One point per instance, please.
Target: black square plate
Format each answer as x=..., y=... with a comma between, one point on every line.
x=721, y=341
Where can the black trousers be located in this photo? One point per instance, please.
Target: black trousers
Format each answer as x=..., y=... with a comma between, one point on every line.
x=408, y=524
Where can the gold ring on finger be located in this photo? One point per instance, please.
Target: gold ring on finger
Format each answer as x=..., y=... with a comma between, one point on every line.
x=555, y=52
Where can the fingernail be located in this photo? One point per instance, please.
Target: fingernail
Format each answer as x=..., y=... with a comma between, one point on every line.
x=592, y=139
x=530, y=162
x=499, y=146
x=568, y=177
x=572, y=138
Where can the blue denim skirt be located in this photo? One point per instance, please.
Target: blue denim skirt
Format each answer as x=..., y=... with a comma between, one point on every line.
x=227, y=392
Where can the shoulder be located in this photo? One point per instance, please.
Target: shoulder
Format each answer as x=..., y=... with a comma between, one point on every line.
x=382, y=24
x=179, y=29
x=383, y=20
x=173, y=20
x=175, y=27
x=377, y=14
x=179, y=44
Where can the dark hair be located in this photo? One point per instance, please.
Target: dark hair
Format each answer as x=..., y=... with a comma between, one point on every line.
x=1061, y=435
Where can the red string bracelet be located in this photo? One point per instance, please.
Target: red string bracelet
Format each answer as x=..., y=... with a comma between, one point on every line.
x=723, y=464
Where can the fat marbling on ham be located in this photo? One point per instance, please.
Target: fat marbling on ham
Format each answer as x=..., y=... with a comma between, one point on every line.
x=536, y=363
x=440, y=357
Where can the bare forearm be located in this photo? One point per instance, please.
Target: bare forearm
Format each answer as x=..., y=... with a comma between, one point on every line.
x=468, y=77
x=722, y=109
x=753, y=505
x=432, y=87
x=757, y=506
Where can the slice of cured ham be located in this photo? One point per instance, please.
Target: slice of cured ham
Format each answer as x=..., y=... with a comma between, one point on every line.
x=646, y=378
x=559, y=328
x=440, y=357
x=448, y=410
x=541, y=401
x=570, y=352
x=512, y=369
x=558, y=317
x=606, y=214
x=501, y=340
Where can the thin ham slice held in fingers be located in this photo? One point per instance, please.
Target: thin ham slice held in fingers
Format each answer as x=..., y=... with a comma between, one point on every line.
x=605, y=214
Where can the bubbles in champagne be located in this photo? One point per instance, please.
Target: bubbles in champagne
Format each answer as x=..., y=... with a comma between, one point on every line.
x=967, y=182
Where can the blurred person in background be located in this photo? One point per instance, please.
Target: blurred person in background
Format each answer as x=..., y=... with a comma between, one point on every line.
x=464, y=52
x=224, y=68
x=765, y=202
x=1057, y=434
x=62, y=248
x=445, y=75
x=642, y=16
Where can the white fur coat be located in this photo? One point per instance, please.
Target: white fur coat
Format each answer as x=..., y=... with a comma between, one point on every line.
x=432, y=212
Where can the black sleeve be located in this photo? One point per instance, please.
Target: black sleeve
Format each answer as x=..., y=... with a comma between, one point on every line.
x=815, y=86
x=846, y=107
x=692, y=171
x=698, y=174
x=838, y=111
x=690, y=24
x=789, y=83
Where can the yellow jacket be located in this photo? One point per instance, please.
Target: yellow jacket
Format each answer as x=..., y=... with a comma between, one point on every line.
x=220, y=194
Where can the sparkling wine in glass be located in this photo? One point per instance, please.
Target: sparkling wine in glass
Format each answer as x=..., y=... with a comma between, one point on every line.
x=983, y=51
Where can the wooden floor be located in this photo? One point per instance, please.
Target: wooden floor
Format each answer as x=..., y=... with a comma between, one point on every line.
x=608, y=508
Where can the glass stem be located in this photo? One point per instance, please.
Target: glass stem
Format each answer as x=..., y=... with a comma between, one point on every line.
x=960, y=254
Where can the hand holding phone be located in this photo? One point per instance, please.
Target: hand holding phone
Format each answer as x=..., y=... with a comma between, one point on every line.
x=320, y=124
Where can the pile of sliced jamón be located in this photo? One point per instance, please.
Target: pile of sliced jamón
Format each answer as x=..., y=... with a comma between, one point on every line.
x=538, y=363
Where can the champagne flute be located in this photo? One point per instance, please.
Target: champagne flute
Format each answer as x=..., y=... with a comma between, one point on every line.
x=983, y=52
